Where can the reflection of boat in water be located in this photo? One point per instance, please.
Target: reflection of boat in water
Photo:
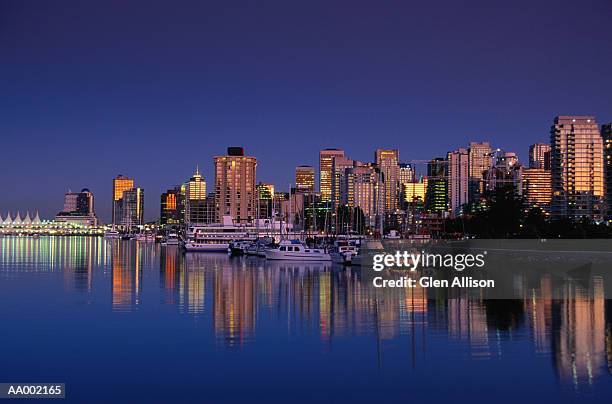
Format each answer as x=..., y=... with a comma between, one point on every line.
x=295, y=250
x=297, y=267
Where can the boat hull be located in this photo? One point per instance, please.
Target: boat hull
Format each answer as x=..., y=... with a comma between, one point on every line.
x=296, y=256
x=208, y=247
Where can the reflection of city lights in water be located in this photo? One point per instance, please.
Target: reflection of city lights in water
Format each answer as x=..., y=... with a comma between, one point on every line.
x=236, y=297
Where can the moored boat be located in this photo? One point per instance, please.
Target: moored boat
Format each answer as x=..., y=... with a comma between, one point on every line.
x=216, y=237
x=343, y=252
x=294, y=250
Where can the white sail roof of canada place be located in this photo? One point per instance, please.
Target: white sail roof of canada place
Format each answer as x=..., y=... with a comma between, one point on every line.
x=37, y=219
x=8, y=220
x=17, y=219
x=27, y=220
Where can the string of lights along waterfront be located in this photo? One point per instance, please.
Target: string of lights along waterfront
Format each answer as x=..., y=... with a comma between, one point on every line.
x=568, y=178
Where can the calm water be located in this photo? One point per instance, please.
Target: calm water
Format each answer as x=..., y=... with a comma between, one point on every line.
x=125, y=322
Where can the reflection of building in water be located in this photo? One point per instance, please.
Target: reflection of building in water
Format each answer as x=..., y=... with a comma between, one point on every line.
x=78, y=267
x=467, y=320
x=170, y=266
x=539, y=311
x=126, y=275
x=325, y=304
x=51, y=254
x=234, y=305
x=579, y=344
x=192, y=283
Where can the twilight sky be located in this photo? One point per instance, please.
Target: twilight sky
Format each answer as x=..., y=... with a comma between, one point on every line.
x=148, y=88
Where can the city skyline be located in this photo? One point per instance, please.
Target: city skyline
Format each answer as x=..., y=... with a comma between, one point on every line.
x=161, y=93
x=419, y=171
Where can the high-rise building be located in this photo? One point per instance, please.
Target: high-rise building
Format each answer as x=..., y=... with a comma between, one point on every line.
x=480, y=159
x=304, y=179
x=415, y=192
x=458, y=173
x=577, y=168
x=387, y=161
x=172, y=206
x=235, y=193
x=121, y=183
x=131, y=206
x=606, y=133
x=79, y=202
x=339, y=166
x=78, y=208
x=406, y=173
x=437, y=185
x=504, y=174
x=326, y=158
x=539, y=156
x=195, y=200
x=265, y=198
x=360, y=190
x=536, y=188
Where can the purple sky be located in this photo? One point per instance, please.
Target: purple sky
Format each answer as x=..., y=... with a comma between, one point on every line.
x=149, y=89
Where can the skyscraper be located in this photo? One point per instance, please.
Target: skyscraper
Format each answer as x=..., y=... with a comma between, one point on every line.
x=235, y=193
x=415, y=192
x=339, y=166
x=458, y=162
x=577, y=168
x=120, y=183
x=195, y=200
x=406, y=173
x=78, y=208
x=539, y=156
x=304, y=179
x=360, y=190
x=437, y=185
x=536, y=188
x=326, y=158
x=131, y=206
x=480, y=158
x=606, y=133
x=172, y=206
x=387, y=161
x=265, y=198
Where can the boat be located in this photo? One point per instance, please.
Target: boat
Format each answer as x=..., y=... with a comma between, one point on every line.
x=295, y=250
x=239, y=247
x=259, y=247
x=111, y=234
x=217, y=237
x=343, y=252
x=171, y=239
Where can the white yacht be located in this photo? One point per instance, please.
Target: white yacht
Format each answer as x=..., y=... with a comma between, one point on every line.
x=217, y=237
x=294, y=250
